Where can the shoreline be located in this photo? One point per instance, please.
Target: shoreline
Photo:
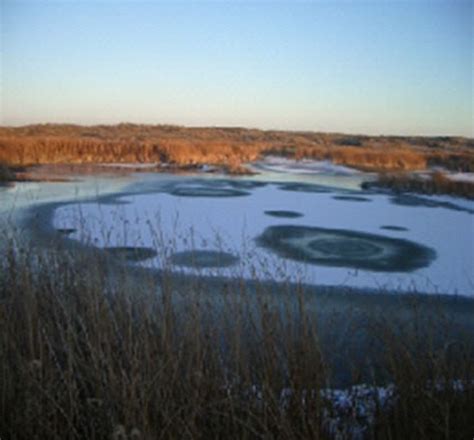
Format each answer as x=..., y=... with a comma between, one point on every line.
x=430, y=182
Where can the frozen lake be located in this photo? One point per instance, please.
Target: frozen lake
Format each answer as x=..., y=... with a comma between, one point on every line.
x=297, y=221
x=306, y=221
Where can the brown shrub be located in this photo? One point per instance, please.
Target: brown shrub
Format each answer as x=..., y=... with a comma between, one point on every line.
x=436, y=183
x=462, y=162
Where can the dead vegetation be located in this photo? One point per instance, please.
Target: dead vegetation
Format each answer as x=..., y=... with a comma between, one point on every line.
x=84, y=358
x=6, y=174
x=228, y=147
x=434, y=183
x=454, y=162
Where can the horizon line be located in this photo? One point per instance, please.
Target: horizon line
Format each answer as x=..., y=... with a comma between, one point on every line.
x=241, y=127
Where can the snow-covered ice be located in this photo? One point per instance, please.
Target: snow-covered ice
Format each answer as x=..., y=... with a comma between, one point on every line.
x=163, y=219
x=322, y=172
x=215, y=213
x=462, y=177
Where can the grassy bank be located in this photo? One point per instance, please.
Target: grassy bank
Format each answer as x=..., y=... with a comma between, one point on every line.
x=435, y=183
x=227, y=147
x=88, y=352
x=6, y=174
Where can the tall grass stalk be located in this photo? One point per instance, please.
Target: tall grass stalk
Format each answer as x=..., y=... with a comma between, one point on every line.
x=91, y=352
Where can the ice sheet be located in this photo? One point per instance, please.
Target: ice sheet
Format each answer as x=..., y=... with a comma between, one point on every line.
x=25, y=194
x=172, y=223
x=280, y=169
x=461, y=177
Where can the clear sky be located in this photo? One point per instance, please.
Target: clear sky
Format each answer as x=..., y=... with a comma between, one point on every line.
x=381, y=67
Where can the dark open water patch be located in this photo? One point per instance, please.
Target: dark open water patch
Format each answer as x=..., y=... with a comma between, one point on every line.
x=223, y=183
x=416, y=202
x=114, y=201
x=393, y=228
x=66, y=231
x=203, y=188
x=211, y=188
x=345, y=248
x=304, y=187
x=352, y=198
x=284, y=214
x=203, y=259
x=195, y=187
x=131, y=253
x=207, y=192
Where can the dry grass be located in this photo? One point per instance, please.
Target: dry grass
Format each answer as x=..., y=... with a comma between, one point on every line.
x=453, y=161
x=231, y=147
x=435, y=183
x=369, y=158
x=89, y=355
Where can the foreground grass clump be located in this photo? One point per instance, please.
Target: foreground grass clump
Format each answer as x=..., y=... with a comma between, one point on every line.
x=87, y=352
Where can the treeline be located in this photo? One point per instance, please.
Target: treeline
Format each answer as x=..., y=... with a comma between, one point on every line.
x=228, y=147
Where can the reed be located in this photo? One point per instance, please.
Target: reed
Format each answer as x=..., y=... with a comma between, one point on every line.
x=435, y=183
x=228, y=147
x=89, y=352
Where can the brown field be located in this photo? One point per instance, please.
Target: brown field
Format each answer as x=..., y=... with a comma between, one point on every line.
x=230, y=148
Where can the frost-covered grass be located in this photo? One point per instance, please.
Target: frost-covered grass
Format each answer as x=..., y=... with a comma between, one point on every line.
x=89, y=351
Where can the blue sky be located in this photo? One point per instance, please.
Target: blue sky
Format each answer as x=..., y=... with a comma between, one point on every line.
x=348, y=66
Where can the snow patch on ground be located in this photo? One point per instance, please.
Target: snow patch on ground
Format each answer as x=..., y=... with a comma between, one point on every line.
x=130, y=165
x=461, y=177
x=281, y=169
x=304, y=166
